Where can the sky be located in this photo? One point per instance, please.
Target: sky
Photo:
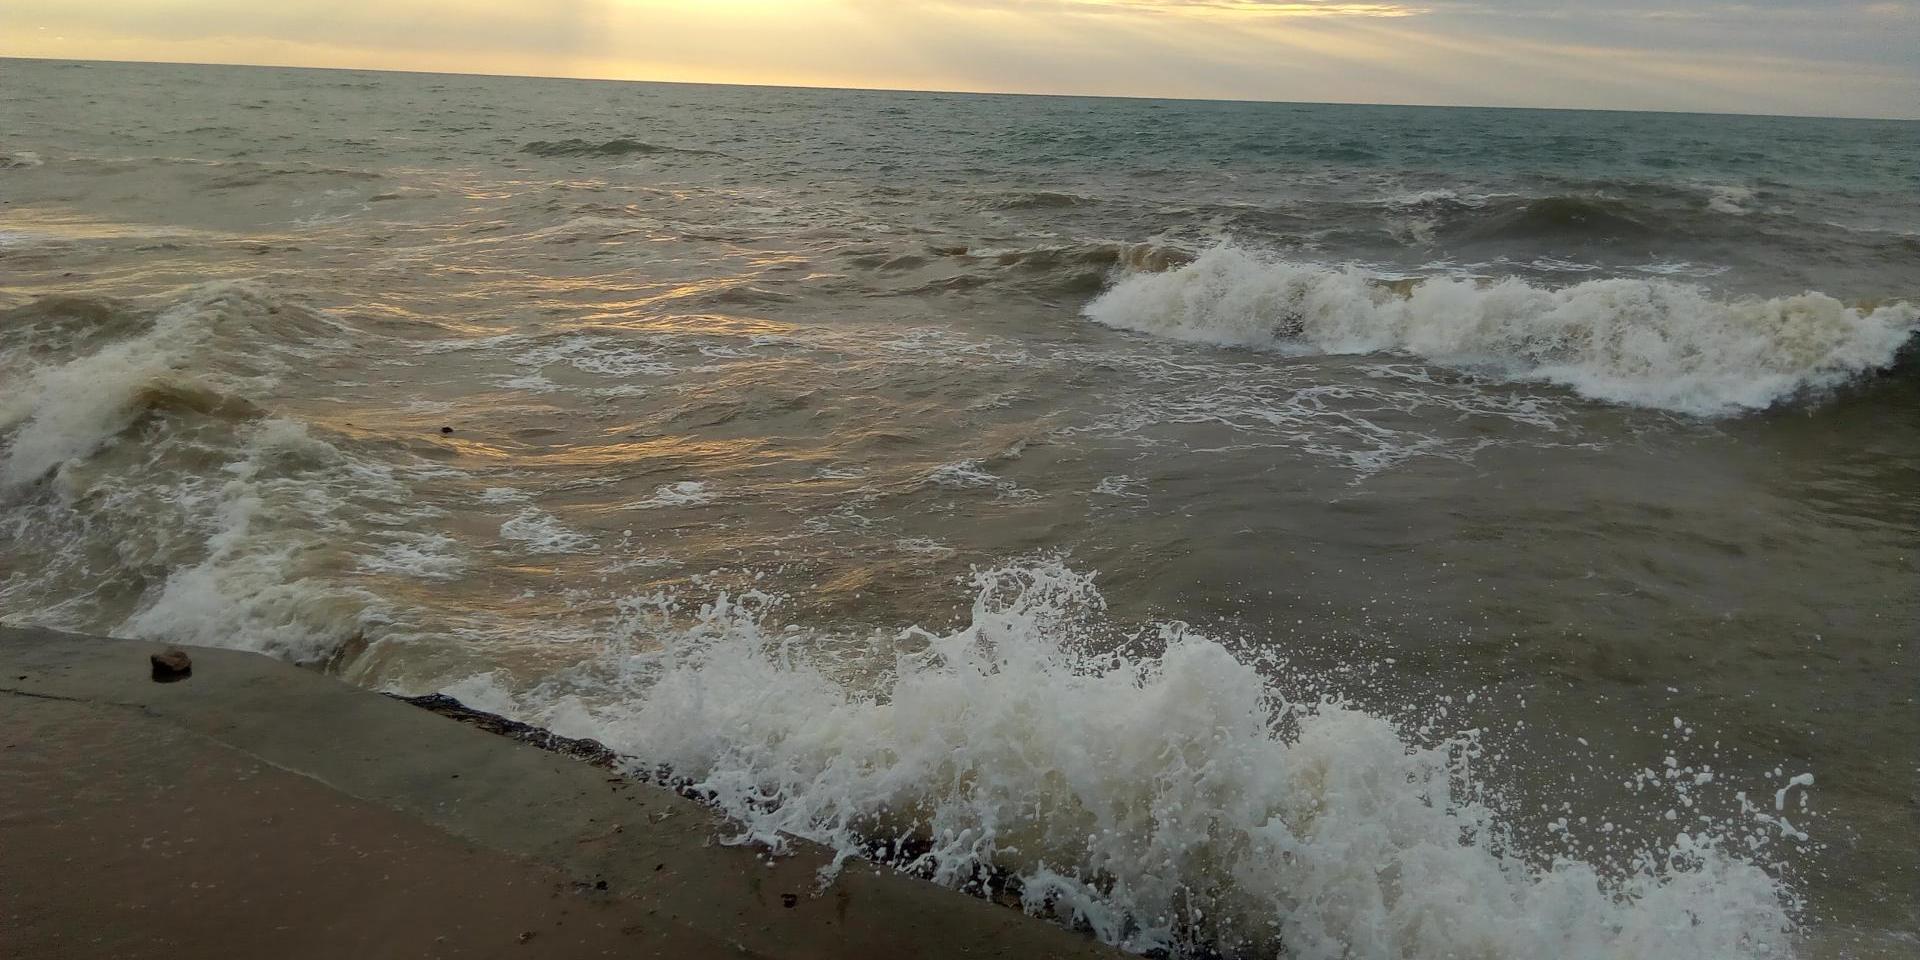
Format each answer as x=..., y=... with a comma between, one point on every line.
x=1824, y=57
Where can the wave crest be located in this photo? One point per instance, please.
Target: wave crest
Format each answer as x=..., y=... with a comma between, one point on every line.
x=617, y=147
x=1202, y=812
x=1035, y=200
x=134, y=459
x=87, y=379
x=1559, y=219
x=1645, y=343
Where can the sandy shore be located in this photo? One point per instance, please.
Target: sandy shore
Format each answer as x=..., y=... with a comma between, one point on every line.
x=257, y=810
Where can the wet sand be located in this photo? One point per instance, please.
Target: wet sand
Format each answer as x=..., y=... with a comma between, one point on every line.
x=257, y=809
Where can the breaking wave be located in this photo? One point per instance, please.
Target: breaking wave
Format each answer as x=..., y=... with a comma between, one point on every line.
x=1170, y=801
x=265, y=576
x=66, y=407
x=111, y=367
x=158, y=498
x=1646, y=343
x=1623, y=218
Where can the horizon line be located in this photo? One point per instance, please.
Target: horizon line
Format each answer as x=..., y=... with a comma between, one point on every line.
x=959, y=93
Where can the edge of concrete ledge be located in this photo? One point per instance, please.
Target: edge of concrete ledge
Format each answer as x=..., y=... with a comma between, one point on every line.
x=642, y=841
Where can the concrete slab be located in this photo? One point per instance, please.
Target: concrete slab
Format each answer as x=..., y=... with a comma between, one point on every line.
x=258, y=809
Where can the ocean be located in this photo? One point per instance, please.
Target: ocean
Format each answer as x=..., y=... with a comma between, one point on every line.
x=1236, y=529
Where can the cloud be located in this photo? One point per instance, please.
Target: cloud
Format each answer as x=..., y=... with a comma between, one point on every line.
x=1220, y=8
x=552, y=26
x=1846, y=58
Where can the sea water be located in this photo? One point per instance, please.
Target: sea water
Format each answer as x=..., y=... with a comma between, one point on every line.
x=1255, y=529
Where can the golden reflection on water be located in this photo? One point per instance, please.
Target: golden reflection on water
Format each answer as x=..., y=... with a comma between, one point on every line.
x=683, y=450
x=704, y=324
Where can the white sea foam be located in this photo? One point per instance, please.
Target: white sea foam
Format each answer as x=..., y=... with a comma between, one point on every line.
x=1120, y=486
x=542, y=532
x=1440, y=197
x=504, y=495
x=1648, y=343
x=530, y=382
x=69, y=410
x=246, y=541
x=972, y=475
x=422, y=556
x=598, y=355
x=687, y=493
x=256, y=584
x=962, y=474
x=1730, y=199
x=1154, y=799
x=924, y=546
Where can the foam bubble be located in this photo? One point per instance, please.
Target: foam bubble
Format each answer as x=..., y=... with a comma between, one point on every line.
x=1650, y=343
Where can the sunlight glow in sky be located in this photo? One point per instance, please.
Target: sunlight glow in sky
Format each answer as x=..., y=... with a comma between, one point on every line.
x=1834, y=57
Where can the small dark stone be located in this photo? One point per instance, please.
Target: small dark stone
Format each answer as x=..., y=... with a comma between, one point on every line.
x=171, y=666
x=600, y=885
x=789, y=900
x=523, y=938
x=446, y=429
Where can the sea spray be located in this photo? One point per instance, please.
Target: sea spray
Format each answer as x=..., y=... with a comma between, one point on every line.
x=205, y=350
x=261, y=579
x=136, y=455
x=1161, y=800
x=1648, y=343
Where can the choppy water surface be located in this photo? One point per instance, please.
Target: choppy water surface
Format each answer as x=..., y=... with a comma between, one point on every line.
x=1282, y=530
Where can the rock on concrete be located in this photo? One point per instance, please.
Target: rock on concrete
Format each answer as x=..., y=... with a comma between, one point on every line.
x=171, y=665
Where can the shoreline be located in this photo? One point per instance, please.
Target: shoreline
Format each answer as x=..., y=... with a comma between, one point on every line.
x=260, y=808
